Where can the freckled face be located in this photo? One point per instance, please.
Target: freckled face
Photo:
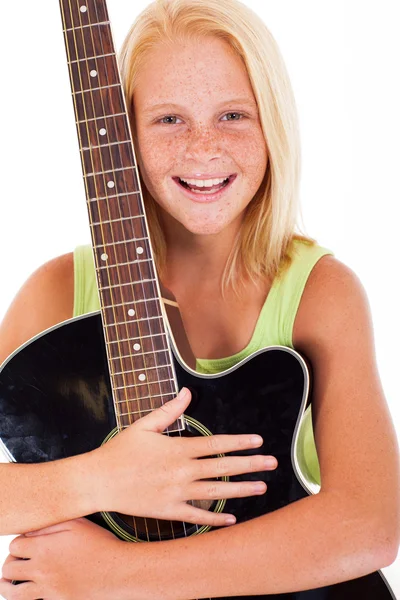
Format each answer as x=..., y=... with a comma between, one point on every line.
x=207, y=124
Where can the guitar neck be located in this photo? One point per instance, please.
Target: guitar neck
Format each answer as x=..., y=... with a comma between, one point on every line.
x=139, y=352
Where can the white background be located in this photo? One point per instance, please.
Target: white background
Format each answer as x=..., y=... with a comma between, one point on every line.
x=343, y=60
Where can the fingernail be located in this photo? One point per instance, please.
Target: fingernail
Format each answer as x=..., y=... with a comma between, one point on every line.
x=230, y=520
x=256, y=439
x=259, y=487
x=183, y=394
x=270, y=461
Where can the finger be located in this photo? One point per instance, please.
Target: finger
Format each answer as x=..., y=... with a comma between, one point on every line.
x=58, y=527
x=9, y=558
x=217, y=490
x=198, y=516
x=16, y=570
x=21, y=547
x=219, y=444
x=233, y=465
x=26, y=591
x=160, y=418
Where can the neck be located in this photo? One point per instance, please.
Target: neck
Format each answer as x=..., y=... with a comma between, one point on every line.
x=199, y=257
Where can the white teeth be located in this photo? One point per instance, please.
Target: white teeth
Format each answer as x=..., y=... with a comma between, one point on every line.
x=204, y=182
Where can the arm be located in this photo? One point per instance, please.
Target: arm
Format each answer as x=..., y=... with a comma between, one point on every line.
x=36, y=495
x=33, y=496
x=351, y=527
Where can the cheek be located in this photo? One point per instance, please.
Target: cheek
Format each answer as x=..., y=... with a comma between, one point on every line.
x=154, y=158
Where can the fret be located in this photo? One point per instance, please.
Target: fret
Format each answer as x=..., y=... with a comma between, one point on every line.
x=133, y=385
x=71, y=62
x=103, y=87
x=129, y=283
x=124, y=264
x=140, y=412
x=103, y=129
x=119, y=253
x=128, y=304
x=123, y=242
x=132, y=321
x=96, y=11
x=130, y=293
x=121, y=206
x=88, y=25
x=123, y=114
x=133, y=339
x=108, y=144
x=142, y=376
x=113, y=196
x=136, y=354
x=135, y=330
x=142, y=369
x=118, y=182
x=147, y=398
x=119, y=230
x=99, y=102
x=140, y=364
x=105, y=157
x=142, y=311
x=116, y=221
x=147, y=344
x=88, y=42
x=96, y=73
x=110, y=171
x=168, y=430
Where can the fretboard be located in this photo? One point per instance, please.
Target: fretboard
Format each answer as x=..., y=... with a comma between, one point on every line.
x=139, y=354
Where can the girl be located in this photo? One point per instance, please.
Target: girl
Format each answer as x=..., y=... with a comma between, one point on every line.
x=211, y=107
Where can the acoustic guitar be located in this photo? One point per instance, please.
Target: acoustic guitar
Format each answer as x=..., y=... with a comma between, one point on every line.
x=76, y=385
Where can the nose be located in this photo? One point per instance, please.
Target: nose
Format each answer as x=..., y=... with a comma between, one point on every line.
x=203, y=144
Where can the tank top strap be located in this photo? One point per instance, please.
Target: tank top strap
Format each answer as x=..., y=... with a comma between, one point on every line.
x=277, y=320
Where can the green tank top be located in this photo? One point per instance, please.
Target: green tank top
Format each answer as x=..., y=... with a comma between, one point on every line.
x=274, y=327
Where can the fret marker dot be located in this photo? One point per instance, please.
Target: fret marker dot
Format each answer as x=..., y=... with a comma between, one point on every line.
x=110, y=184
x=93, y=73
x=83, y=8
x=104, y=256
x=139, y=250
x=136, y=347
x=142, y=377
x=131, y=312
x=103, y=131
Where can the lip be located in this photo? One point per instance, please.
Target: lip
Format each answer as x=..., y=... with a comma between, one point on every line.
x=206, y=176
x=203, y=198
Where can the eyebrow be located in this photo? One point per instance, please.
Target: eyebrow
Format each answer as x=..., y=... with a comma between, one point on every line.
x=171, y=106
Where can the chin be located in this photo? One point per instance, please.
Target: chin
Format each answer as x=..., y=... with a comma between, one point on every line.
x=205, y=228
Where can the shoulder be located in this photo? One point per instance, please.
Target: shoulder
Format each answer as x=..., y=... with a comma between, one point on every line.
x=333, y=298
x=45, y=299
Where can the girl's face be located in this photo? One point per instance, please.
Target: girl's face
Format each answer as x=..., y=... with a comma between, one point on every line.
x=197, y=119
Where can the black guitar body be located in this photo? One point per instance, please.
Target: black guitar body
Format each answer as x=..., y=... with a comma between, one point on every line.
x=55, y=401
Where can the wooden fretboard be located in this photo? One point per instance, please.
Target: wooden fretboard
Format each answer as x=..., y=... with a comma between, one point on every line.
x=139, y=353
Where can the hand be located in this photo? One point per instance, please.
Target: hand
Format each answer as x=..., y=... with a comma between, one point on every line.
x=143, y=473
x=75, y=560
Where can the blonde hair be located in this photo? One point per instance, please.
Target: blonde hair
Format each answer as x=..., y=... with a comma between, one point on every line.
x=263, y=246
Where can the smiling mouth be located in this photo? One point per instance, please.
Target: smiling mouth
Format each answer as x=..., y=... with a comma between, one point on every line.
x=203, y=189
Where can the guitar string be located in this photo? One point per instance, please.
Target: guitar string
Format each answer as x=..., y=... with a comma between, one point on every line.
x=84, y=107
x=115, y=318
x=85, y=121
x=124, y=246
x=153, y=294
x=78, y=64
